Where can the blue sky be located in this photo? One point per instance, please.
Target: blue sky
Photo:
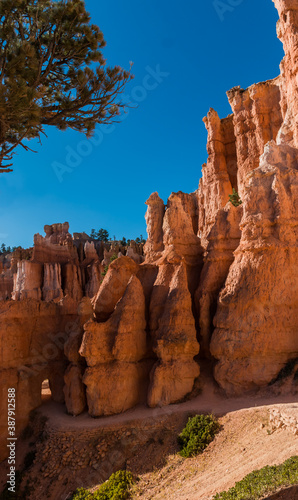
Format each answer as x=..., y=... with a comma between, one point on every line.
x=197, y=52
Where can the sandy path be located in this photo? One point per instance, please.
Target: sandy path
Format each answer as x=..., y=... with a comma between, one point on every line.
x=242, y=446
x=209, y=401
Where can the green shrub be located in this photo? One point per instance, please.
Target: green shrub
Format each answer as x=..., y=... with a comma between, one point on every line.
x=116, y=488
x=235, y=198
x=82, y=494
x=106, y=268
x=198, y=433
x=263, y=482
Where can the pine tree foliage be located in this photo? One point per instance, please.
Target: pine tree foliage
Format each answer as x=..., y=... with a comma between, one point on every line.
x=52, y=72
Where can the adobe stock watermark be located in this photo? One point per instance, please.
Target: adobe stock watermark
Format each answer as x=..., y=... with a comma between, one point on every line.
x=75, y=156
x=222, y=7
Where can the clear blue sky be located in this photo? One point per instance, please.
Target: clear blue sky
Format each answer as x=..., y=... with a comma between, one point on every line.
x=161, y=145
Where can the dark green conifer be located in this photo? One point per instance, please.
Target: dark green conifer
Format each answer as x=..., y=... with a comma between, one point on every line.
x=52, y=72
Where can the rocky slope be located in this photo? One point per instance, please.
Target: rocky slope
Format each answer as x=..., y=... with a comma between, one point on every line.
x=215, y=284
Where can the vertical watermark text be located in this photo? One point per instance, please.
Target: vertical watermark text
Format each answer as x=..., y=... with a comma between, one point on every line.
x=11, y=439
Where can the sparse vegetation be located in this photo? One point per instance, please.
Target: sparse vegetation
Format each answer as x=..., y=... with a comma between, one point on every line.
x=263, y=482
x=198, y=433
x=100, y=235
x=4, y=250
x=117, y=487
x=235, y=198
x=103, y=235
x=114, y=257
x=140, y=239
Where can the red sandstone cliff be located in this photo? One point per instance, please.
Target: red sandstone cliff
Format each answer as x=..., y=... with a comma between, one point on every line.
x=218, y=282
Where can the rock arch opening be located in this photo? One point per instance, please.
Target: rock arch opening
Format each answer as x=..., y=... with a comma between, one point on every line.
x=46, y=392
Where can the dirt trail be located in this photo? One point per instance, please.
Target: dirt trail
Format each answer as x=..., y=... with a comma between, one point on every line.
x=210, y=401
x=245, y=443
x=147, y=444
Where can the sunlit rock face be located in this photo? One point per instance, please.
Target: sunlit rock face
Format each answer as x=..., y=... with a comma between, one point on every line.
x=214, y=281
x=256, y=321
x=287, y=31
x=256, y=318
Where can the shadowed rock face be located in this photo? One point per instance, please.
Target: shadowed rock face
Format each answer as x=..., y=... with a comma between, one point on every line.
x=223, y=239
x=175, y=345
x=32, y=336
x=215, y=282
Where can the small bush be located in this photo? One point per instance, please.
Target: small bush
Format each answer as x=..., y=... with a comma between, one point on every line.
x=198, y=433
x=235, y=198
x=116, y=488
x=106, y=268
x=263, y=482
x=82, y=494
x=114, y=257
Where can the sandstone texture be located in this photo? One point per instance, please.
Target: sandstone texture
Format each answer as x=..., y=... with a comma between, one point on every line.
x=215, y=284
x=256, y=319
x=224, y=238
x=112, y=350
x=32, y=336
x=175, y=345
x=113, y=286
x=154, y=219
x=219, y=175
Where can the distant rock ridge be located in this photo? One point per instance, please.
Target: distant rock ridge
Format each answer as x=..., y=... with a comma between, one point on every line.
x=59, y=265
x=214, y=281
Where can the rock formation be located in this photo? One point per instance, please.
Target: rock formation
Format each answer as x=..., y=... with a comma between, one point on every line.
x=60, y=265
x=32, y=336
x=219, y=175
x=223, y=239
x=256, y=119
x=175, y=345
x=214, y=282
x=113, y=351
x=154, y=219
x=287, y=33
x=27, y=281
x=114, y=286
x=256, y=319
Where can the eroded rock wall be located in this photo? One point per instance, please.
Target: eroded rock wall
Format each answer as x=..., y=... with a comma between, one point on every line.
x=215, y=281
x=288, y=34
x=257, y=119
x=219, y=175
x=256, y=319
x=32, y=337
